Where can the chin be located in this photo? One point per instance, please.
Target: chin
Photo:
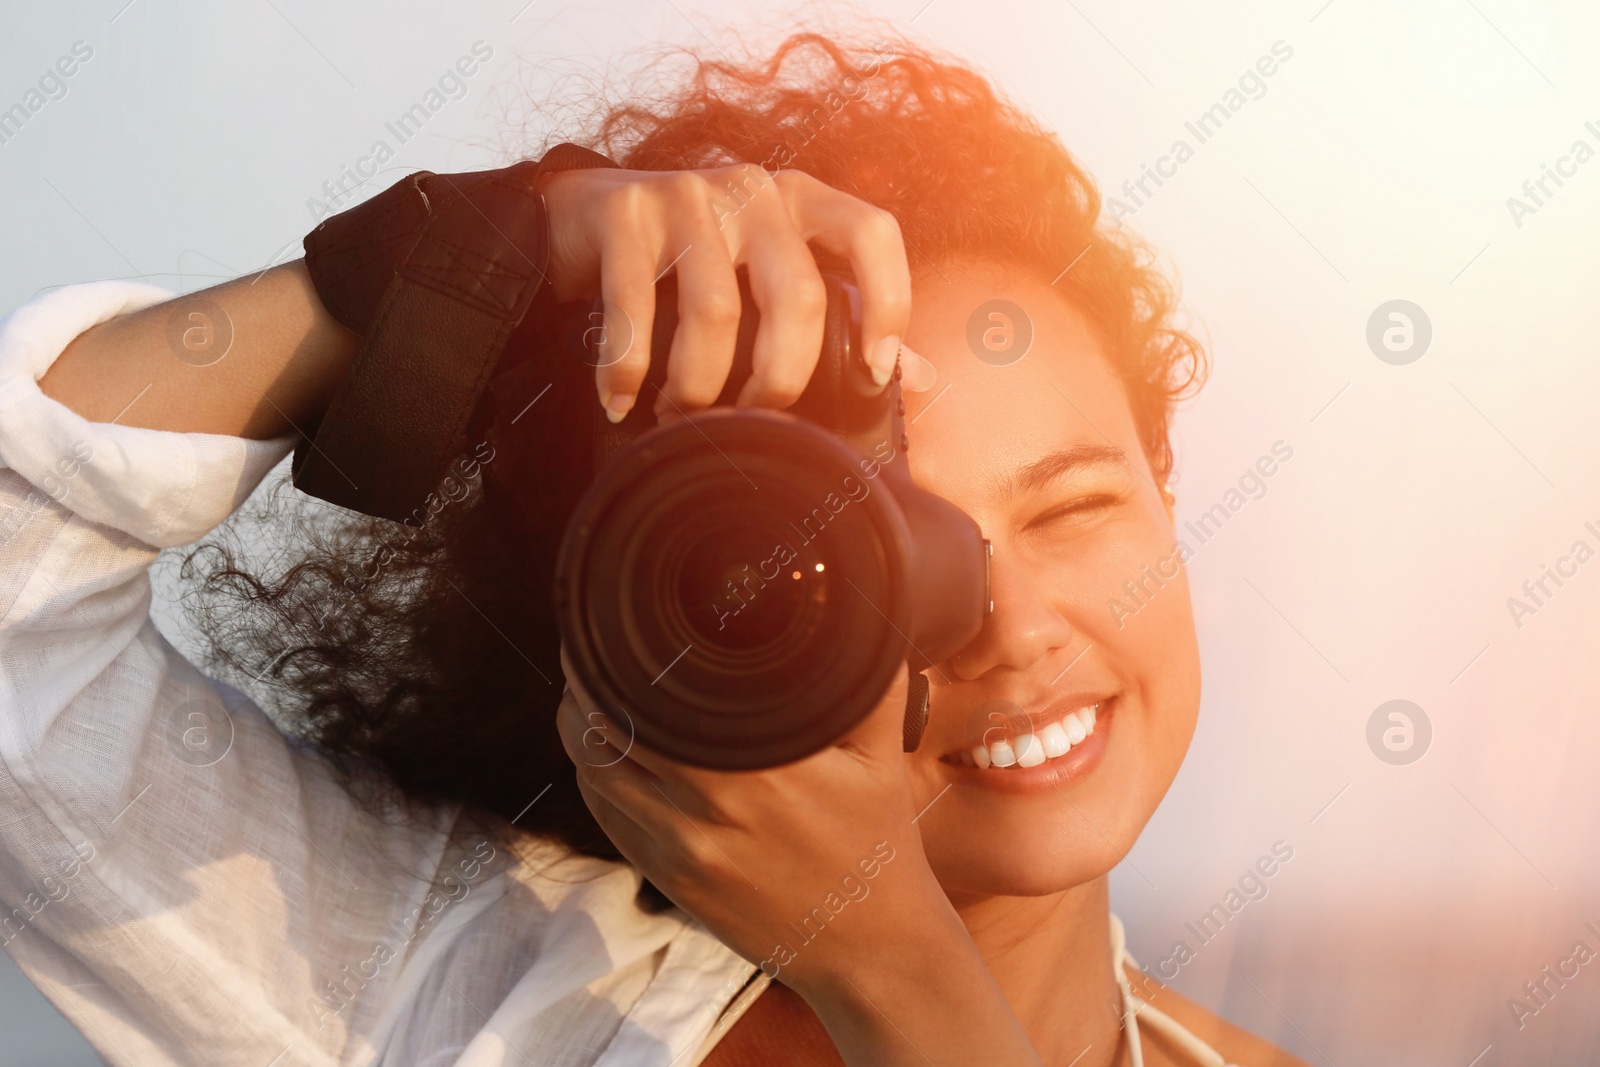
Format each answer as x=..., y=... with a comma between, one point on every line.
x=1025, y=854
x=1064, y=822
x=983, y=870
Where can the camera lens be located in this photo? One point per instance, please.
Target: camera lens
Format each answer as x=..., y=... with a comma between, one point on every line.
x=737, y=585
x=722, y=597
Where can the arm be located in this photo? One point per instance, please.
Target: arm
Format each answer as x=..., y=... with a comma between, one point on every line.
x=166, y=857
x=180, y=880
x=285, y=355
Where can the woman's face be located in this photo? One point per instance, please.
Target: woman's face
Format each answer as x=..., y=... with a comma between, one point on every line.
x=1043, y=453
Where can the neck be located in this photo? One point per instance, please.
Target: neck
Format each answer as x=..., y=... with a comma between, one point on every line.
x=1051, y=956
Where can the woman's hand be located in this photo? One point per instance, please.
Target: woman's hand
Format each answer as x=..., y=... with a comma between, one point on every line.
x=613, y=233
x=816, y=871
x=752, y=853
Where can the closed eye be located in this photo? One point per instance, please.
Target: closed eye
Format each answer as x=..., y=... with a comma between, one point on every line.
x=1077, y=509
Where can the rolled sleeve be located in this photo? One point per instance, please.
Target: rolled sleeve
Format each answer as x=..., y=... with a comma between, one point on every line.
x=164, y=488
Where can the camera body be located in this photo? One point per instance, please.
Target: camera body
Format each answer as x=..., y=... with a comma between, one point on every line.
x=741, y=586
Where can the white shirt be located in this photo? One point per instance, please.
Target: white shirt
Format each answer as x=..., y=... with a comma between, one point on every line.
x=188, y=886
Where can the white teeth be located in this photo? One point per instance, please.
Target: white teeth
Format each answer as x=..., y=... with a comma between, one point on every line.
x=1076, y=731
x=1051, y=741
x=1056, y=742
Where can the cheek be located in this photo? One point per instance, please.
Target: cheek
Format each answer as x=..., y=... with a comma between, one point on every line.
x=1157, y=652
x=1161, y=640
x=1119, y=581
x=1128, y=596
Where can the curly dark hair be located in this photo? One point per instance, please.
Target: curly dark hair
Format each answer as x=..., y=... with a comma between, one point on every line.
x=423, y=658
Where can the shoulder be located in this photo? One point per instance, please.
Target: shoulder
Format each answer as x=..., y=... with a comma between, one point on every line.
x=1237, y=1046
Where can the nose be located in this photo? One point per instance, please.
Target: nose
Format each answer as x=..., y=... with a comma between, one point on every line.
x=1028, y=622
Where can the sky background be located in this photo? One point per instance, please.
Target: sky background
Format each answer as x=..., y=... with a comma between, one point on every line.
x=1374, y=166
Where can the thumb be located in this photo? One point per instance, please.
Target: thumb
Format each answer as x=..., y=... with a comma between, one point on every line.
x=881, y=734
x=917, y=375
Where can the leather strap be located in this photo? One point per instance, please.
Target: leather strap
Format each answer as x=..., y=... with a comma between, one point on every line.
x=435, y=273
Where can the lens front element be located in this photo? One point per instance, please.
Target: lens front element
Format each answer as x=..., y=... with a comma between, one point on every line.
x=737, y=584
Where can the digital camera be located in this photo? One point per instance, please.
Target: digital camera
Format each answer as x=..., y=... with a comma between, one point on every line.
x=741, y=586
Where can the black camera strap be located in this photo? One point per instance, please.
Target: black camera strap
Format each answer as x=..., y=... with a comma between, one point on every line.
x=434, y=273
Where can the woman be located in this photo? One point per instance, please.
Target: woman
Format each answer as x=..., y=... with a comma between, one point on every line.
x=190, y=886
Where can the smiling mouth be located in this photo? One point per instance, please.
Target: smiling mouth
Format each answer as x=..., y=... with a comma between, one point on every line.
x=1000, y=749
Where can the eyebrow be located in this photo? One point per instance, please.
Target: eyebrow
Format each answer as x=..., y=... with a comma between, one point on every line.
x=1053, y=465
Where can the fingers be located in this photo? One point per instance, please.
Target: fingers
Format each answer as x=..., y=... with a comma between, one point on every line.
x=605, y=233
x=628, y=295
x=788, y=290
x=642, y=813
x=678, y=221
x=708, y=304
x=600, y=749
x=870, y=238
x=596, y=743
x=637, y=845
x=703, y=225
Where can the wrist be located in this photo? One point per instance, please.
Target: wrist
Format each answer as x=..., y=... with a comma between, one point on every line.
x=931, y=995
x=891, y=964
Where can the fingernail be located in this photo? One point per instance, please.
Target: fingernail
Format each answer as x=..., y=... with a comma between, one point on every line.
x=618, y=406
x=882, y=358
x=917, y=375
